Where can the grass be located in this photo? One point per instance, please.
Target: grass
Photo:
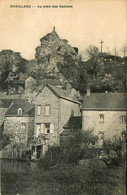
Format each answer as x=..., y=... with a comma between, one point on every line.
x=66, y=180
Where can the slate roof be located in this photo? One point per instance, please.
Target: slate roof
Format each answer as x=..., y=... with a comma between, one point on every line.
x=73, y=124
x=52, y=81
x=2, y=105
x=61, y=93
x=5, y=103
x=105, y=101
x=27, y=108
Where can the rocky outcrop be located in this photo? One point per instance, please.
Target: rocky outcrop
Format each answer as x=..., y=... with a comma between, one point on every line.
x=52, y=51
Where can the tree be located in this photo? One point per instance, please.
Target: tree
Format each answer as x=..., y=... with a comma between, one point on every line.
x=108, y=82
x=92, y=51
x=124, y=50
x=32, y=68
x=115, y=52
x=10, y=61
x=74, y=71
x=95, y=65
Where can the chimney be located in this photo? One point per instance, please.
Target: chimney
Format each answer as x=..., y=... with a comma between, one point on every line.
x=68, y=88
x=88, y=92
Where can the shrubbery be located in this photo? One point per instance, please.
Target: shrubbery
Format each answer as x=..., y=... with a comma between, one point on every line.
x=79, y=147
x=114, y=153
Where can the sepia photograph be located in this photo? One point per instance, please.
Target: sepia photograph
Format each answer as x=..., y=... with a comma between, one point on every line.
x=63, y=102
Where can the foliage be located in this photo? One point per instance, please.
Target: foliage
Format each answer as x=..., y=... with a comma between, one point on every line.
x=108, y=82
x=51, y=158
x=74, y=71
x=78, y=147
x=92, y=51
x=104, y=72
x=114, y=153
x=64, y=180
x=10, y=61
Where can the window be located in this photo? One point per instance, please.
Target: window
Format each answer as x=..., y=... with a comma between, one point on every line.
x=23, y=125
x=47, y=109
x=48, y=128
x=124, y=136
x=20, y=111
x=123, y=119
x=39, y=110
x=101, y=118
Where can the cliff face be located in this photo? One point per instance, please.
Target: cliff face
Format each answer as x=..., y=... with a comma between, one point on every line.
x=52, y=51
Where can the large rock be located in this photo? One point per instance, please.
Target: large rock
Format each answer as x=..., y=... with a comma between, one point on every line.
x=52, y=51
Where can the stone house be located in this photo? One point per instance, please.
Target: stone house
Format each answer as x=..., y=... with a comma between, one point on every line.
x=3, y=110
x=4, y=106
x=18, y=127
x=105, y=115
x=53, y=108
x=30, y=85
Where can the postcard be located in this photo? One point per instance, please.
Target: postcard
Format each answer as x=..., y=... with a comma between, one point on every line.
x=63, y=104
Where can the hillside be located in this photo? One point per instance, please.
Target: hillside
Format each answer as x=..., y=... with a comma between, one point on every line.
x=56, y=61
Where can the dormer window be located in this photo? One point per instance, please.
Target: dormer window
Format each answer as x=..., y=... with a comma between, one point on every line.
x=20, y=111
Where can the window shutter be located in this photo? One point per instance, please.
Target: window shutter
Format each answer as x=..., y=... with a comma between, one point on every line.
x=42, y=128
x=47, y=109
x=51, y=128
x=39, y=111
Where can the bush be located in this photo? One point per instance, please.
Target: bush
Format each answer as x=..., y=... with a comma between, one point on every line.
x=114, y=153
x=78, y=148
x=92, y=163
x=51, y=158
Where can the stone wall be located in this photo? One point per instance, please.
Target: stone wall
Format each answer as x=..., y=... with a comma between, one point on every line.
x=31, y=122
x=112, y=126
x=16, y=128
x=2, y=114
x=44, y=98
x=20, y=132
x=60, y=111
x=47, y=97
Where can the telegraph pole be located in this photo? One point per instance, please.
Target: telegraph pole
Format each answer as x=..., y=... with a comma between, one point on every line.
x=101, y=42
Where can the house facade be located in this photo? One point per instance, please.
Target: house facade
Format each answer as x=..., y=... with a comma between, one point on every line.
x=4, y=106
x=18, y=127
x=30, y=85
x=54, y=106
x=105, y=115
x=3, y=110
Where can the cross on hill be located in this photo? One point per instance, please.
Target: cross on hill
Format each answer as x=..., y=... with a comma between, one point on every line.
x=101, y=42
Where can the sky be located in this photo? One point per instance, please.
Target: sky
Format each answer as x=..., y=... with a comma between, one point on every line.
x=87, y=23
